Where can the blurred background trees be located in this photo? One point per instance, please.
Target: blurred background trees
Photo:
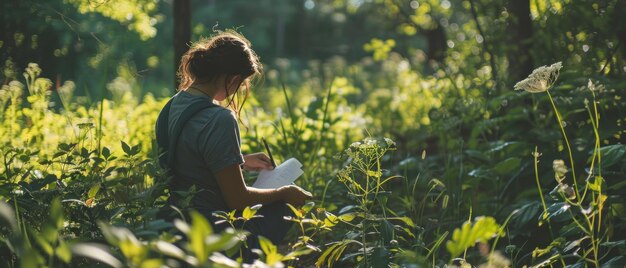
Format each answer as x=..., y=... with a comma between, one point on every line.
x=83, y=39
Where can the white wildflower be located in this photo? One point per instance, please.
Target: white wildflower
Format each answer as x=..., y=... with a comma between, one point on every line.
x=32, y=71
x=16, y=88
x=66, y=91
x=4, y=93
x=119, y=86
x=541, y=79
x=390, y=142
x=369, y=142
x=355, y=144
x=536, y=154
x=41, y=86
x=595, y=87
x=591, y=86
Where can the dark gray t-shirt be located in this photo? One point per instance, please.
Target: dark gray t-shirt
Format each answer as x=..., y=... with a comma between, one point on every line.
x=208, y=143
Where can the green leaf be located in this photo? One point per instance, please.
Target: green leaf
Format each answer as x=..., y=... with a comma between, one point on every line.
x=225, y=240
x=135, y=149
x=619, y=244
x=307, y=207
x=109, y=233
x=348, y=217
x=619, y=261
x=556, y=211
x=106, y=152
x=169, y=249
x=330, y=220
x=96, y=252
x=501, y=146
x=612, y=154
x=483, y=229
x=332, y=253
x=266, y=245
x=270, y=250
x=64, y=147
x=56, y=213
x=219, y=260
x=380, y=257
x=152, y=263
x=387, y=231
x=295, y=211
x=50, y=233
x=43, y=242
x=525, y=214
x=248, y=213
x=408, y=221
x=131, y=247
x=507, y=166
x=7, y=214
x=93, y=190
x=31, y=258
x=574, y=244
x=63, y=252
x=126, y=148
x=596, y=183
x=200, y=230
x=293, y=254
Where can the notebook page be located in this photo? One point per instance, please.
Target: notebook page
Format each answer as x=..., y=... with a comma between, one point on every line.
x=282, y=175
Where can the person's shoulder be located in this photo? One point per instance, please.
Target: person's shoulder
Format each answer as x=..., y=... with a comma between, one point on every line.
x=223, y=114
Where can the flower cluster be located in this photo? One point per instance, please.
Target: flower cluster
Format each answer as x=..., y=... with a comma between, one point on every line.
x=541, y=79
x=371, y=143
x=11, y=91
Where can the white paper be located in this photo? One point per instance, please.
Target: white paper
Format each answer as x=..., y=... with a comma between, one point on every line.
x=282, y=175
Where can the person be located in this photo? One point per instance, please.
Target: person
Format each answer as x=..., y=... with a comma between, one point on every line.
x=207, y=155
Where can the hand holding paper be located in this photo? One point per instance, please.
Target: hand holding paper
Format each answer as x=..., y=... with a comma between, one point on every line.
x=282, y=175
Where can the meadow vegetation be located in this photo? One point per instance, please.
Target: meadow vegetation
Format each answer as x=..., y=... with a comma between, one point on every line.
x=412, y=162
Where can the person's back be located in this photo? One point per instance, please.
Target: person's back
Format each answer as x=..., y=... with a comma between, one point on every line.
x=208, y=141
x=207, y=155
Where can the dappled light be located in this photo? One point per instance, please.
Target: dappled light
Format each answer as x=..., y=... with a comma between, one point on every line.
x=427, y=133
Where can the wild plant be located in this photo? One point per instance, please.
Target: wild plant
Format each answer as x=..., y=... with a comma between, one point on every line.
x=201, y=248
x=373, y=234
x=309, y=227
x=238, y=221
x=30, y=246
x=585, y=206
x=268, y=251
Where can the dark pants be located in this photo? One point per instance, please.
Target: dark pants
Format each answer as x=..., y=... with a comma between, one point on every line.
x=271, y=225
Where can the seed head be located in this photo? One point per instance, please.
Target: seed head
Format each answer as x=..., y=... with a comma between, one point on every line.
x=541, y=79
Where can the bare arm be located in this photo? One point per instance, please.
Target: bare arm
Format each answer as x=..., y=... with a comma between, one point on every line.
x=237, y=195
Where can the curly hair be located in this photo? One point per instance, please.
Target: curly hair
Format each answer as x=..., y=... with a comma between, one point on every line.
x=227, y=53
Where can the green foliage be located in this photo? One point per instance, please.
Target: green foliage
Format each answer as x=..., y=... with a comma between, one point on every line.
x=438, y=85
x=380, y=48
x=372, y=232
x=135, y=13
x=481, y=230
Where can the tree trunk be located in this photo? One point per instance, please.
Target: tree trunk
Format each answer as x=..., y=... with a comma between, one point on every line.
x=437, y=45
x=520, y=32
x=182, y=31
